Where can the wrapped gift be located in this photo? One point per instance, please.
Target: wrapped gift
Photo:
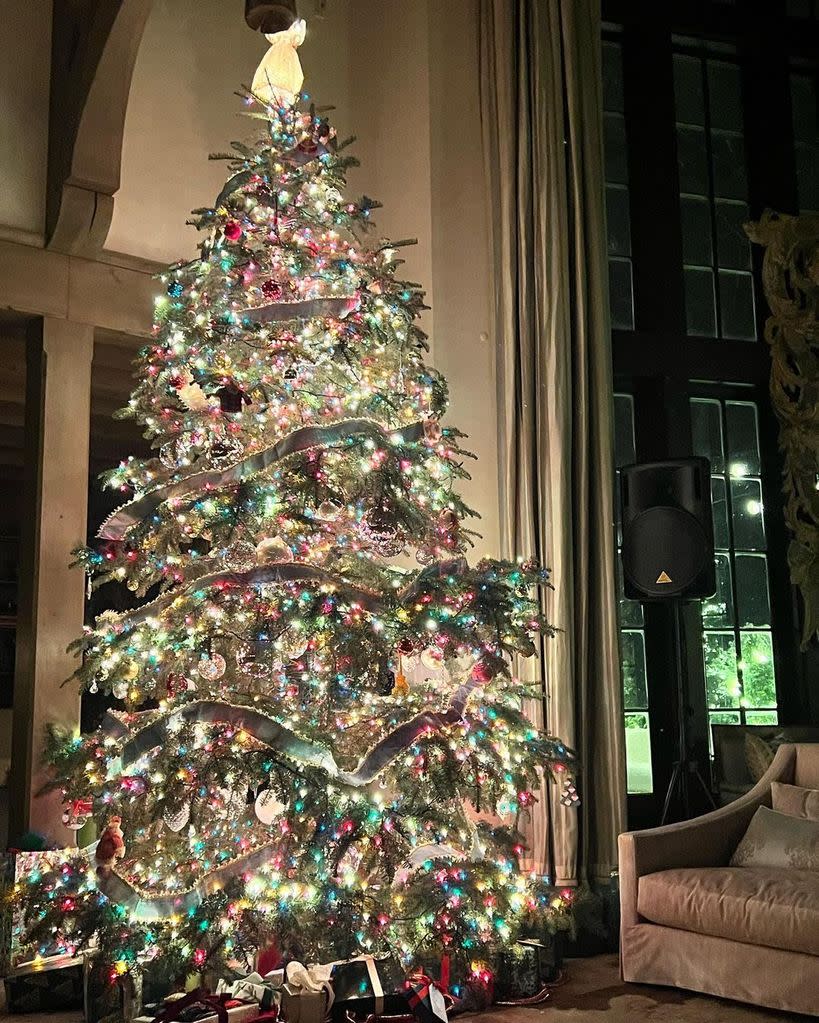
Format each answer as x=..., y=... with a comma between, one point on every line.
x=43, y=985
x=306, y=994
x=255, y=988
x=525, y=969
x=200, y=1007
x=426, y=999
x=366, y=987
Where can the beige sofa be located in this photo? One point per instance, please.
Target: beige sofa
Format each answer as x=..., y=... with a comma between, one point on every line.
x=691, y=921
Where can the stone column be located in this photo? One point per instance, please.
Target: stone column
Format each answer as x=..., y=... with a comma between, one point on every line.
x=51, y=597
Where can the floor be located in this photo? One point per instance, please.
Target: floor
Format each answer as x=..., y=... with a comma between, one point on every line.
x=592, y=993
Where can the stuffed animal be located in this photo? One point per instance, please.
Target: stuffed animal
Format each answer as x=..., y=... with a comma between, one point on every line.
x=279, y=77
x=111, y=846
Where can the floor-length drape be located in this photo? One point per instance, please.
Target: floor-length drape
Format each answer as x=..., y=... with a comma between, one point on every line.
x=542, y=135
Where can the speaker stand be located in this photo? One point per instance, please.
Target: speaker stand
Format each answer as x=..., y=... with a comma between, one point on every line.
x=684, y=766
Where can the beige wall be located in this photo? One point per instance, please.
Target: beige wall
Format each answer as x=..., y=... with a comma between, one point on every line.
x=24, y=88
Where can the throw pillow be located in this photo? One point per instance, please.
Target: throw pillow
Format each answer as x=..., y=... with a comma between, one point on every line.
x=795, y=801
x=758, y=755
x=777, y=840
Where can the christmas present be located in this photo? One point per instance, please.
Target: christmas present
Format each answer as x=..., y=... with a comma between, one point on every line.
x=200, y=1007
x=44, y=985
x=306, y=994
x=365, y=987
x=524, y=970
x=104, y=998
x=426, y=999
x=255, y=988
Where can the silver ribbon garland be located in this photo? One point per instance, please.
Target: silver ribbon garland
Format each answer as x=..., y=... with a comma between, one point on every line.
x=303, y=309
x=121, y=521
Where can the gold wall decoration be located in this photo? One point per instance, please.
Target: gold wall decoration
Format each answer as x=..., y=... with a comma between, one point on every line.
x=790, y=275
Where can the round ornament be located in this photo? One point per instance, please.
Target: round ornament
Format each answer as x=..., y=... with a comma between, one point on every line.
x=250, y=662
x=175, y=289
x=223, y=452
x=175, y=821
x=211, y=668
x=119, y=690
x=329, y=510
x=291, y=646
x=432, y=658
x=176, y=684
x=273, y=550
x=233, y=230
x=268, y=806
x=272, y=290
x=240, y=556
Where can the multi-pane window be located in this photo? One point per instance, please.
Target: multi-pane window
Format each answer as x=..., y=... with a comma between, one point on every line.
x=806, y=140
x=737, y=640
x=617, y=198
x=719, y=291
x=632, y=630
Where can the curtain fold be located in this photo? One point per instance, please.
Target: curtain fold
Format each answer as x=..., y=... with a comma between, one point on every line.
x=541, y=110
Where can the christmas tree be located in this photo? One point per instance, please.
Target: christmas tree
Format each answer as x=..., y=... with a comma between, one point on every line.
x=320, y=739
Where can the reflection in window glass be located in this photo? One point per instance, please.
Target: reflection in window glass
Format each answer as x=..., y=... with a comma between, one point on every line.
x=618, y=214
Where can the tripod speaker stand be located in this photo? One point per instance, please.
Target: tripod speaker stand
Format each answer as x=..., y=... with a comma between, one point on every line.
x=668, y=556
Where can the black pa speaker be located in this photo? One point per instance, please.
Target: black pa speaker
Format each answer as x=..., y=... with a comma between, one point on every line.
x=668, y=533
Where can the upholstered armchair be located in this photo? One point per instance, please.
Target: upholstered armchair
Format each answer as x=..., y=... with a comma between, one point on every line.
x=690, y=920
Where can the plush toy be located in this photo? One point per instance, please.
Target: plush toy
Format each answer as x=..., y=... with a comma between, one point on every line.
x=111, y=846
x=279, y=77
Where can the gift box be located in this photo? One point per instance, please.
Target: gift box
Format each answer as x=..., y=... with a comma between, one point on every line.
x=525, y=969
x=44, y=985
x=266, y=992
x=368, y=987
x=200, y=1007
x=306, y=994
x=426, y=999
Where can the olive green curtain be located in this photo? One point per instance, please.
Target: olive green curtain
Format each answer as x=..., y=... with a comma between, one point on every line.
x=541, y=108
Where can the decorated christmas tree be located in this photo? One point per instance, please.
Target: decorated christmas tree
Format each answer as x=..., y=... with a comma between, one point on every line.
x=320, y=741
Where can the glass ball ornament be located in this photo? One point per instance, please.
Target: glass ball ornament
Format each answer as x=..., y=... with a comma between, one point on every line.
x=211, y=668
x=176, y=820
x=224, y=452
x=268, y=807
x=240, y=556
x=119, y=690
x=251, y=662
x=273, y=550
x=291, y=646
x=329, y=510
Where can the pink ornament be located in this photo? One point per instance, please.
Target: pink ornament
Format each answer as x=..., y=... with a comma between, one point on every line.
x=233, y=230
x=482, y=673
x=272, y=290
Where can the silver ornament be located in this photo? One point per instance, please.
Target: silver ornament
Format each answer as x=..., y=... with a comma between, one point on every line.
x=211, y=668
x=273, y=550
x=329, y=510
x=177, y=821
x=268, y=806
x=240, y=556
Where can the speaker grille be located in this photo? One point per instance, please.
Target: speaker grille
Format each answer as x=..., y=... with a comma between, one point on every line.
x=664, y=550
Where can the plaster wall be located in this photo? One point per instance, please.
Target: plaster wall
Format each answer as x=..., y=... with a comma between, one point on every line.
x=24, y=89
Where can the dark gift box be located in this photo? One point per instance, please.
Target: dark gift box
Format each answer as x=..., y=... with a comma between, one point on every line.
x=426, y=1000
x=365, y=987
x=46, y=985
x=526, y=968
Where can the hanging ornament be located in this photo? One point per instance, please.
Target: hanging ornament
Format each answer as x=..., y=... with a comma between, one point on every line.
x=176, y=684
x=119, y=690
x=268, y=807
x=432, y=658
x=279, y=77
x=482, y=672
x=291, y=646
x=211, y=667
x=240, y=556
x=233, y=230
x=224, y=451
x=424, y=556
x=76, y=813
x=251, y=662
x=111, y=846
x=272, y=290
x=405, y=646
x=448, y=528
x=177, y=820
x=175, y=289
x=380, y=528
x=273, y=550
x=329, y=510
x=432, y=431
x=386, y=680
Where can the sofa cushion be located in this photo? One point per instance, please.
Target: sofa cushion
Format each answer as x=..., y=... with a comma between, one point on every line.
x=778, y=840
x=795, y=800
x=755, y=905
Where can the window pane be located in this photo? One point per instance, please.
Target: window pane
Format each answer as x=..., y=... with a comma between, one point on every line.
x=700, y=312
x=803, y=109
x=807, y=177
x=718, y=611
x=762, y=717
x=612, y=77
x=617, y=221
x=721, y=676
x=758, y=684
x=719, y=507
x=614, y=141
x=688, y=89
x=724, y=95
x=743, y=438
x=696, y=230
x=706, y=428
x=638, y=754
x=733, y=247
x=736, y=298
x=631, y=611
x=624, y=429
x=746, y=506
x=752, y=590
x=693, y=161
x=620, y=294
x=721, y=717
x=634, y=671
x=728, y=157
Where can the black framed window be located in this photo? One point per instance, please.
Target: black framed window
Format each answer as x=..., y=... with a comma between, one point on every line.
x=618, y=217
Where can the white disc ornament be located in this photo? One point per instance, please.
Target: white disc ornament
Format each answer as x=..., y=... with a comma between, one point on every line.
x=119, y=690
x=432, y=659
x=177, y=821
x=268, y=806
x=211, y=668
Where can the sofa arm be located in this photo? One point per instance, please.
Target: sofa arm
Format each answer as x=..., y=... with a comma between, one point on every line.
x=707, y=841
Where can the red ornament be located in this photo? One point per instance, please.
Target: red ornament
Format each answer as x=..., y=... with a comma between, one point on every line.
x=405, y=646
x=233, y=230
x=482, y=673
x=272, y=290
x=176, y=684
